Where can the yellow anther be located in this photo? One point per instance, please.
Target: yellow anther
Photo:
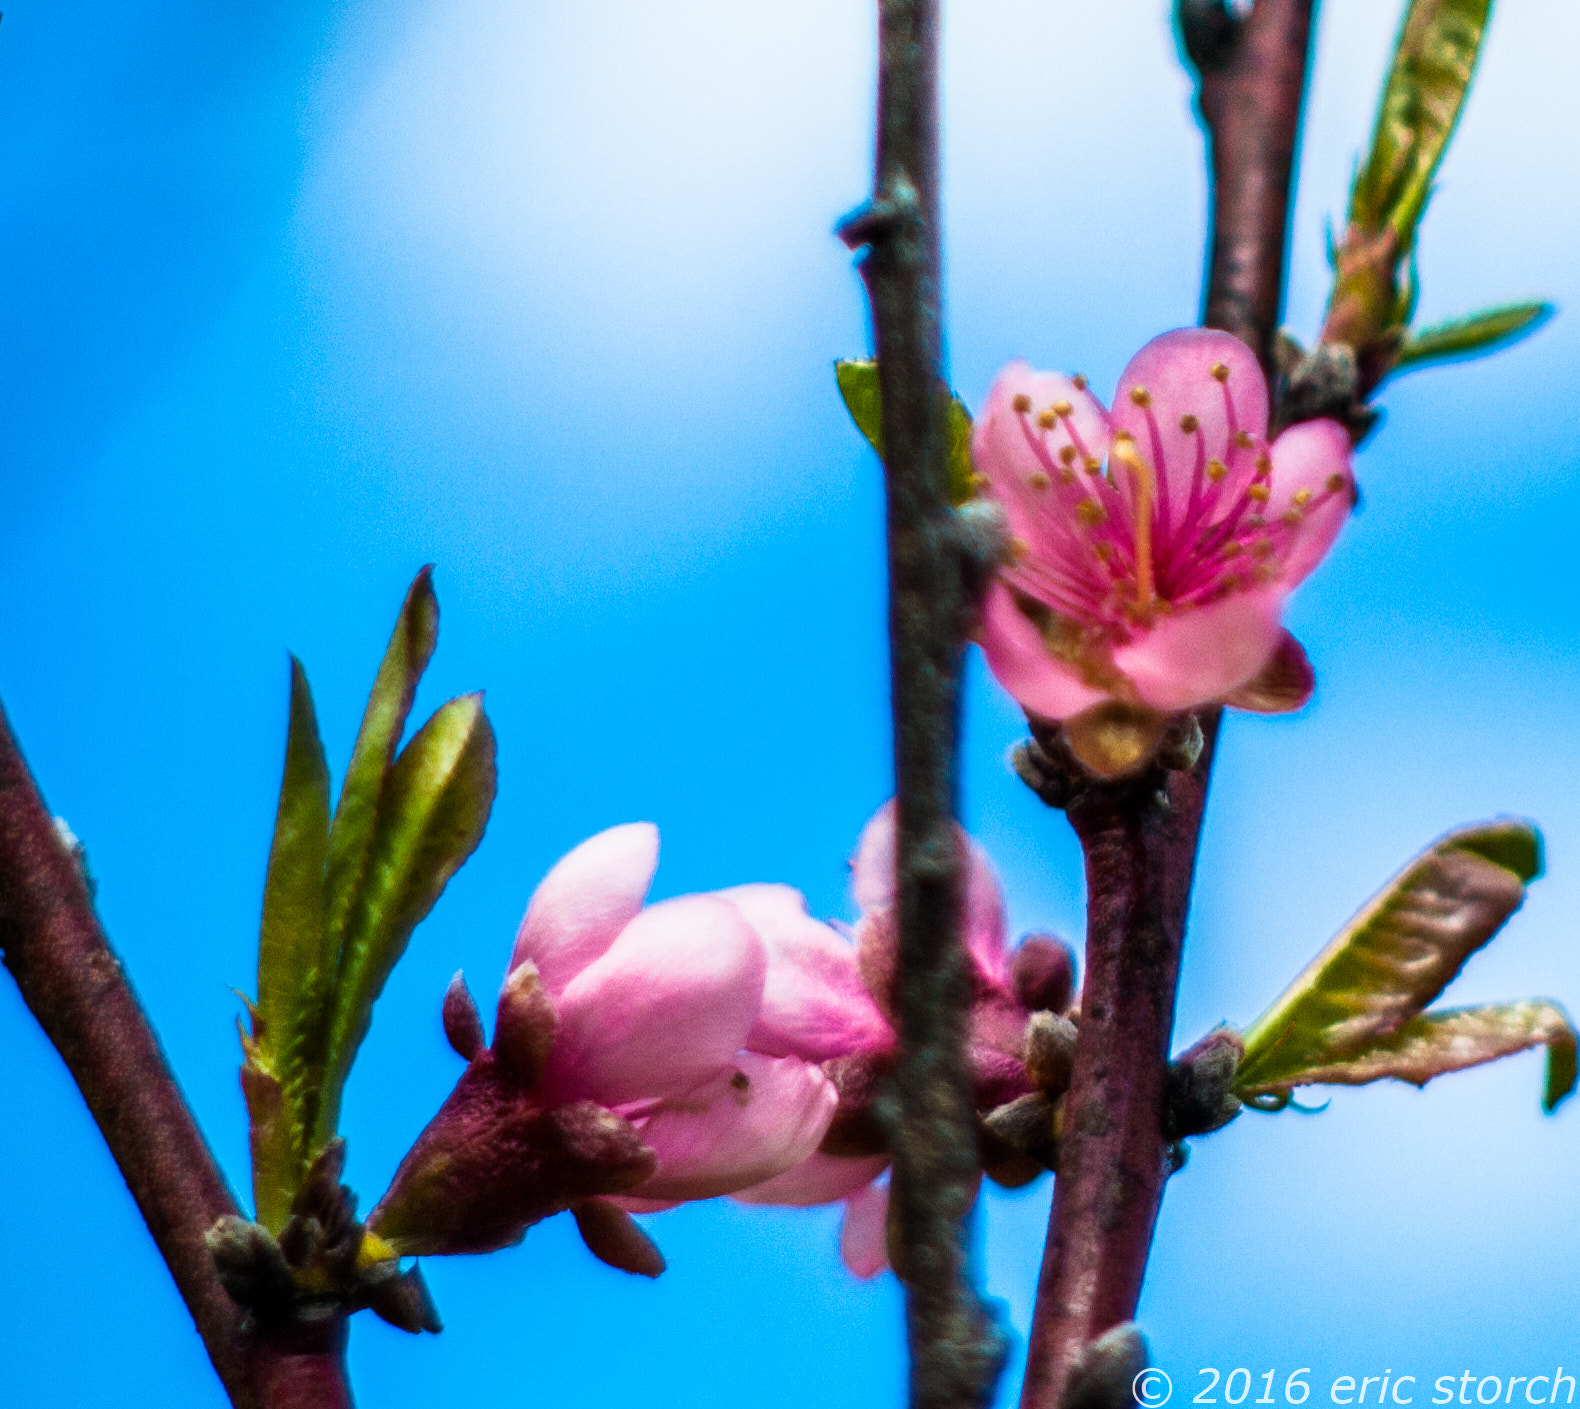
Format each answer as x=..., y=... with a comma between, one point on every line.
x=1093, y=466
x=1140, y=396
x=1090, y=512
x=1022, y=403
x=1018, y=548
x=1260, y=492
x=1300, y=498
x=1244, y=439
x=1038, y=481
x=1216, y=470
x=1232, y=549
x=1261, y=548
x=1188, y=423
x=1066, y=454
x=1103, y=550
x=1079, y=380
x=979, y=483
x=1062, y=408
x=1232, y=582
x=1220, y=373
x=1066, y=476
x=1047, y=420
x=1335, y=483
x=1291, y=517
x=1264, y=464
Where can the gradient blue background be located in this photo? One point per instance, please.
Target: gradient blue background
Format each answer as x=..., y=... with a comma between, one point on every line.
x=300, y=296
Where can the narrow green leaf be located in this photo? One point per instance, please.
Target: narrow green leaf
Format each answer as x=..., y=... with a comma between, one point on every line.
x=1395, y=956
x=356, y=816
x=1434, y=60
x=858, y=385
x=1473, y=335
x=435, y=804
x=1451, y=1040
x=290, y=950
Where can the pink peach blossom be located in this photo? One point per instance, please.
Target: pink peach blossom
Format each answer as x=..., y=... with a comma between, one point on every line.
x=642, y=1055
x=1160, y=581
x=848, y=1022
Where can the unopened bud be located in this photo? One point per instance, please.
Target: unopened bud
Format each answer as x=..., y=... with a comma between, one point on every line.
x=1199, y=1094
x=1042, y=973
x=1050, y=1051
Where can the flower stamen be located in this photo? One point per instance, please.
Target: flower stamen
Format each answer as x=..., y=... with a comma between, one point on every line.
x=1124, y=450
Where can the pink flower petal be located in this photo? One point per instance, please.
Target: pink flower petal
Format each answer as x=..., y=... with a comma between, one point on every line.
x=1021, y=456
x=1202, y=655
x=873, y=880
x=591, y=895
x=818, y=1179
x=1311, y=460
x=1021, y=663
x=666, y=1008
x=872, y=867
x=1173, y=376
x=760, y=1118
x=814, y=1003
x=985, y=917
x=864, y=1237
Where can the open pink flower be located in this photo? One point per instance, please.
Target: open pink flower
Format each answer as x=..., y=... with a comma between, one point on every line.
x=638, y=1052
x=844, y=997
x=1159, y=581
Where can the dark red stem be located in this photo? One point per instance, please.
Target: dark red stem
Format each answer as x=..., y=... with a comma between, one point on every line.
x=1140, y=845
x=75, y=986
x=1252, y=86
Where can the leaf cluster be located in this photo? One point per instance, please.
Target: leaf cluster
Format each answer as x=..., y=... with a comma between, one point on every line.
x=344, y=893
x=1357, y=1013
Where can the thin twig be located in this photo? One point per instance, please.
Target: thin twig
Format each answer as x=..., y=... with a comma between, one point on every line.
x=75, y=986
x=956, y=1350
x=1140, y=842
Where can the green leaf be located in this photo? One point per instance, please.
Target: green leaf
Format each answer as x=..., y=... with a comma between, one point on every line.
x=1471, y=336
x=858, y=385
x=291, y=960
x=1451, y=1040
x=1394, y=957
x=433, y=808
x=356, y=816
x=1434, y=60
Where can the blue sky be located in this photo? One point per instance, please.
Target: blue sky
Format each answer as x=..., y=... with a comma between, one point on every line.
x=301, y=297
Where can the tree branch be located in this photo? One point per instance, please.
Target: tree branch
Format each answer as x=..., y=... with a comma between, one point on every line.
x=76, y=988
x=956, y=1351
x=1252, y=81
x=1140, y=839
